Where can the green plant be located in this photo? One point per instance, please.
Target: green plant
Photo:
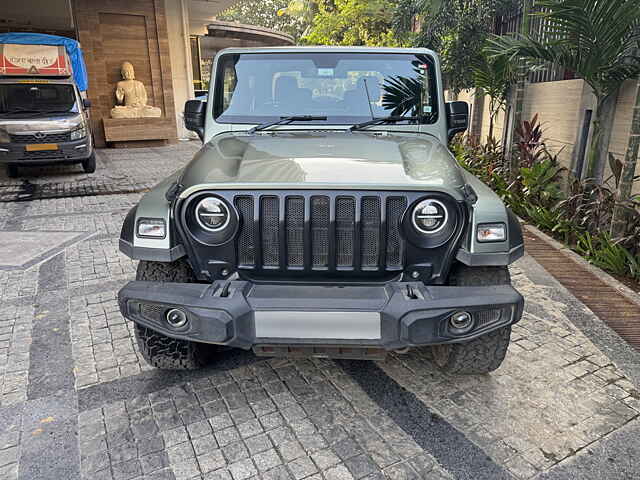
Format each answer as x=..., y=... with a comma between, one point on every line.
x=493, y=76
x=609, y=255
x=540, y=183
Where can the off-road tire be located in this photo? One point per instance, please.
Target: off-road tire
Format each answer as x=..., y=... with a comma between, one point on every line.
x=89, y=165
x=485, y=353
x=12, y=171
x=158, y=350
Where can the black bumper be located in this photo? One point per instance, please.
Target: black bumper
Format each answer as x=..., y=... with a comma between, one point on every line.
x=67, y=152
x=240, y=313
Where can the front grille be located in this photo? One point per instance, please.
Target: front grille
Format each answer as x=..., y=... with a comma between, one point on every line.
x=153, y=311
x=269, y=221
x=45, y=154
x=47, y=138
x=321, y=233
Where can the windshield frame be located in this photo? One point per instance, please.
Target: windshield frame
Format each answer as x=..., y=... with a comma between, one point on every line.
x=217, y=94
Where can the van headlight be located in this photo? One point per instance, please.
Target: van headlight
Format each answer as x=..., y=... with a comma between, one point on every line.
x=79, y=132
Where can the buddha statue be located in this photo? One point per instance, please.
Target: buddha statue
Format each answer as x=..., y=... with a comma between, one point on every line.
x=131, y=97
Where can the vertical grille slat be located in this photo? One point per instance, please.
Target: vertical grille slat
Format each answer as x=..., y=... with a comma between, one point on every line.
x=247, y=237
x=370, y=233
x=270, y=238
x=320, y=232
x=345, y=229
x=294, y=220
x=395, y=208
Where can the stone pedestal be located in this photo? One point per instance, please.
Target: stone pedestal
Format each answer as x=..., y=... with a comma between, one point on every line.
x=138, y=132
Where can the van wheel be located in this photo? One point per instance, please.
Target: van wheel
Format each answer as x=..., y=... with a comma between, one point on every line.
x=12, y=171
x=89, y=165
x=485, y=353
x=158, y=350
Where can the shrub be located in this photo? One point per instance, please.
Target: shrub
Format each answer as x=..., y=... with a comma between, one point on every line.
x=579, y=215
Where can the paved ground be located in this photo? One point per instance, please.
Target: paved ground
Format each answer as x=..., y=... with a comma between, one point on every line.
x=77, y=401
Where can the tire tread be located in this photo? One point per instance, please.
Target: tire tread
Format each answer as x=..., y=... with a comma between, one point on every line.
x=158, y=350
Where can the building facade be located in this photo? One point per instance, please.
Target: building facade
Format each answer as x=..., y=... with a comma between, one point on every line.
x=169, y=43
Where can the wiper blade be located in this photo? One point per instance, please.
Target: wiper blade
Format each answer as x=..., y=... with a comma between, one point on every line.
x=287, y=120
x=376, y=121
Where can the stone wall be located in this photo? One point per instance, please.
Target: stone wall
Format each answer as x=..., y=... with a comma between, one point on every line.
x=117, y=30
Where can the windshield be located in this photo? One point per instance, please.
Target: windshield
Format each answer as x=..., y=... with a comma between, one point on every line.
x=347, y=88
x=16, y=98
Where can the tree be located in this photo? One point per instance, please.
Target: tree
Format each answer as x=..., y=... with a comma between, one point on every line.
x=628, y=176
x=494, y=76
x=265, y=13
x=596, y=39
x=354, y=22
x=456, y=29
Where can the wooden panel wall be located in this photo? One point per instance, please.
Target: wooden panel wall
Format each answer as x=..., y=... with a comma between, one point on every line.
x=112, y=31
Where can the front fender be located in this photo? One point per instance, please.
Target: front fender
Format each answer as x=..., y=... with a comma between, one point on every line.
x=489, y=208
x=155, y=205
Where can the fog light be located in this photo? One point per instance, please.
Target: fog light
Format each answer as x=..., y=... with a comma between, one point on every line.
x=461, y=322
x=176, y=318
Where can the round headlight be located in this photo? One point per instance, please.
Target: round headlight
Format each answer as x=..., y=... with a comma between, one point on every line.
x=212, y=214
x=429, y=216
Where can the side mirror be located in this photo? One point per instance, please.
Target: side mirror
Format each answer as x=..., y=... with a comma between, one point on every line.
x=457, y=117
x=86, y=103
x=194, y=111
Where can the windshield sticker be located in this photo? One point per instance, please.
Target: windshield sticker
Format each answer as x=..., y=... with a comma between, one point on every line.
x=427, y=109
x=325, y=72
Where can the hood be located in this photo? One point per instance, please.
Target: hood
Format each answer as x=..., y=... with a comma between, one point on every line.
x=319, y=159
x=43, y=123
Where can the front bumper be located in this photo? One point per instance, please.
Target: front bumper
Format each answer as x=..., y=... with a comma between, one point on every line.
x=392, y=316
x=67, y=152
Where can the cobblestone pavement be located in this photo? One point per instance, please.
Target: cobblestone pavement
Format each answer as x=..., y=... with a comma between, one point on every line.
x=78, y=402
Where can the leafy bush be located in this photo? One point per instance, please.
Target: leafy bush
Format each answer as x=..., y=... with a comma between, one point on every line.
x=609, y=255
x=578, y=215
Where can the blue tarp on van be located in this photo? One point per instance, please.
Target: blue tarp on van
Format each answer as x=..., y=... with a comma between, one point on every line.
x=71, y=46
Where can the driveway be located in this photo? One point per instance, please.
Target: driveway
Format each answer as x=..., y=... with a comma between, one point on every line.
x=77, y=400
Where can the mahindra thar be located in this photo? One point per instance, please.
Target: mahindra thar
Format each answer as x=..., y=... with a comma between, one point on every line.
x=324, y=216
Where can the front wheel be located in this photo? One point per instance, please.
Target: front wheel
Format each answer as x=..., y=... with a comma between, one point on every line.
x=158, y=350
x=89, y=165
x=12, y=171
x=481, y=355
x=487, y=352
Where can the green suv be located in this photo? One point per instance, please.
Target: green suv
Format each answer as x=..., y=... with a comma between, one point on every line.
x=323, y=216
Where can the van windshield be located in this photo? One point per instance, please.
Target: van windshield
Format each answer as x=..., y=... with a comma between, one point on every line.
x=344, y=87
x=34, y=98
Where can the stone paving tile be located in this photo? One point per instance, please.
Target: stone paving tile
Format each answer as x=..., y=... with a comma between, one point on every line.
x=223, y=426
x=103, y=344
x=98, y=261
x=16, y=315
x=16, y=284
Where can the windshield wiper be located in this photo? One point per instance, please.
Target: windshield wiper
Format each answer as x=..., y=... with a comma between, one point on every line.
x=376, y=121
x=287, y=120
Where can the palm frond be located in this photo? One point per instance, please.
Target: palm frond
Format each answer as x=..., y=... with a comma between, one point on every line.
x=597, y=39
